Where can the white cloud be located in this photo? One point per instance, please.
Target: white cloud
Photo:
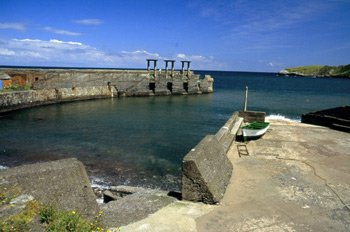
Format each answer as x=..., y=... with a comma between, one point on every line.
x=61, y=32
x=37, y=51
x=17, y=26
x=202, y=62
x=275, y=64
x=6, y=52
x=181, y=56
x=88, y=21
x=62, y=42
x=68, y=53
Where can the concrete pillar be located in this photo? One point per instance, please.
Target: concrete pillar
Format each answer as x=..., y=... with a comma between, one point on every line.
x=155, y=68
x=188, y=68
x=166, y=68
x=183, y=67
x=172, y=67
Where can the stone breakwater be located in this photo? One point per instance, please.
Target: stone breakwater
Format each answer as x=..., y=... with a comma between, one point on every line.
x=60, y=85
x=206, y=169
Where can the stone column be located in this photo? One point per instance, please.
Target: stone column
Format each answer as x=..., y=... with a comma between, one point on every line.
x=188, y=68
x=172, y=67
x=166, y=68
x=183, y=68
x=155, y=65
x=155, y=68
x=148, y=68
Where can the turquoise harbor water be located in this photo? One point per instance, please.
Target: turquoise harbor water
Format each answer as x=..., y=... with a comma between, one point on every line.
x=141, y=141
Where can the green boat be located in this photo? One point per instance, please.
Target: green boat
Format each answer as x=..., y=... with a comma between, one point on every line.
x=254, y=130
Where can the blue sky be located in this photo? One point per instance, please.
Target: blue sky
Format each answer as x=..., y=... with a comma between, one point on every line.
x=240, y=35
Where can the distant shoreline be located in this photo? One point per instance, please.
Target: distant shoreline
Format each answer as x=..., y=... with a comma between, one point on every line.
x=341, y=71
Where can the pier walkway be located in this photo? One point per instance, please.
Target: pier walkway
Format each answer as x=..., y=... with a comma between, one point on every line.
x=296, y=178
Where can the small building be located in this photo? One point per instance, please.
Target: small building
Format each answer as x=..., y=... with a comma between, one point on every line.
x=5, y=77
x=19, y=78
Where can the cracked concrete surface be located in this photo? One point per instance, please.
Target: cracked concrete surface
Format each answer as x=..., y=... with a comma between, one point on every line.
x=296, y=179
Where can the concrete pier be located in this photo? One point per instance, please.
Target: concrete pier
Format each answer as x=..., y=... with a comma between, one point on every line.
x=296, y=178
x=51, y=86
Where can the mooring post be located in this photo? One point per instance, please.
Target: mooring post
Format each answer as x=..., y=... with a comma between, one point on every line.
x=246, y=98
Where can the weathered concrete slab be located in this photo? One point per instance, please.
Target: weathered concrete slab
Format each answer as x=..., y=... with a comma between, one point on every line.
x=63, y=183
x=227, y=133
x=251, y=116
x=206, y=171
x=295, y=179
x=134, y=207
x=178, y=216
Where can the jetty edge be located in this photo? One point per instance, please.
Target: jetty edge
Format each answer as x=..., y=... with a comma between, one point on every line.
x=337, y=118
x=50, y=86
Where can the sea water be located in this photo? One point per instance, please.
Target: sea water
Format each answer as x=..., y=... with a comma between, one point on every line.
x=140, y=141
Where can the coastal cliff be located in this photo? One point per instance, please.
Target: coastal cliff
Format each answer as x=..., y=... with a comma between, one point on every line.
x=341, y=71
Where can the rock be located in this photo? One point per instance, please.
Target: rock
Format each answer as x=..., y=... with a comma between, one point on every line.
x=134, y=207
x=123, y=190
x=285, y=72
x=63, y=183
x=109, y=196
x=206, y=171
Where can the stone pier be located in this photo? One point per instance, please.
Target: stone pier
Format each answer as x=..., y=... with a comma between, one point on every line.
x=60, y=85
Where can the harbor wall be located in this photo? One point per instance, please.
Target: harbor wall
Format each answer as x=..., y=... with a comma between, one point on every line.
x=206, y=169
x=60, y=85
x=336, y=118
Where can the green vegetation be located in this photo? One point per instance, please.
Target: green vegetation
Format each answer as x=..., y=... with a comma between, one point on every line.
x=317, y=70
x=16, y=87
x=19, y=222
x=7, y=194
x=51, y=219
x=55, y=220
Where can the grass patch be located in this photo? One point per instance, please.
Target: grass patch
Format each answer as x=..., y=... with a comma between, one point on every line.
x=51, y=219
x=7, y=194
x=16, y=87
x=317, y=70
x=20, y=221
x=55, y=220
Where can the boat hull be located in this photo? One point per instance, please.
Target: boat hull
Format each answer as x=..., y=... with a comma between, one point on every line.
x=249, y=134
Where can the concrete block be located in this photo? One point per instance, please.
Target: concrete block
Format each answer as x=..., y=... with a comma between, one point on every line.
x=206, y=171
x=63, y=183
x=251, y=116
